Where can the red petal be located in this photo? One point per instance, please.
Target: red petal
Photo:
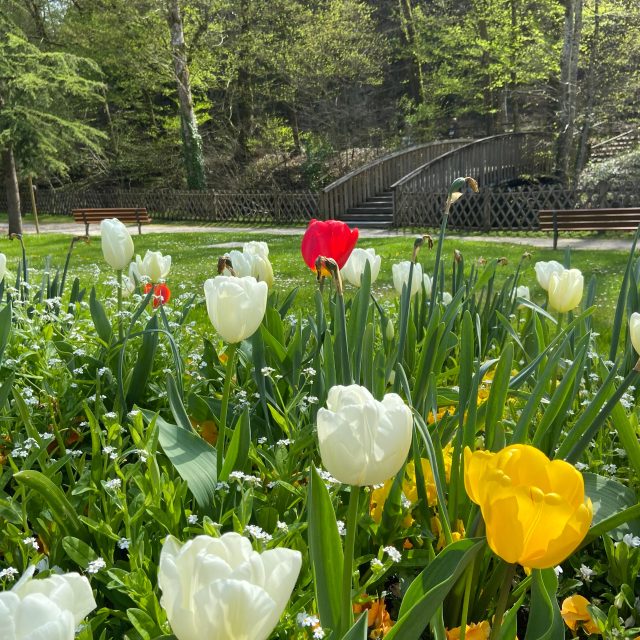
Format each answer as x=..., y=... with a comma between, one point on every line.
x=328, y=238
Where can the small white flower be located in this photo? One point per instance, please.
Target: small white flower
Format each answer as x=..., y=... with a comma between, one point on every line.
x=96, y=565
x=31, y=542
x=558, y=570
x=114, y=483
x=318, y=633
x=262, y=440
x=282, y=526
x=393, y=553
x=376, y=565
x=307, y=620
x=9, y=573
x=192, y=519
x=124, y=543
x=342, y=530
x=581, y=466
x=630, y=540
x=267, y=371
x=586, y=573
x=257, y=532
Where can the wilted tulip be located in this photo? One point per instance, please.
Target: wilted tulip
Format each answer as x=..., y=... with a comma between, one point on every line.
x=544, y=271
x=565, y=290
x=534, y=508
x=235, y=306
x=117, y=245
x=221, y=588
x=154, y=266
x=400, y=273
x=50, y=608
x=329, y=238
x=634, y=331
x=363, y=441
x=3, y=266
x=354, y=267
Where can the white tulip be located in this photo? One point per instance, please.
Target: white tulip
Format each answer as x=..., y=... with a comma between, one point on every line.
x=49, y=609
x=363, y=441
x=446, y=298
x=401, y=276
x=3, y=266
x=154, y=266
x=252, y=261
x=428, y=284
x=634, y=331
x=354, y=267
x=544, y=271
x=235, y=306
x=117, y=245
x=565, y=290
x=220, y=588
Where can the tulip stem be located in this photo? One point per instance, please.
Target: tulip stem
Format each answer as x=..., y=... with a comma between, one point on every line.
x=120, y=327
x=222, y=425
x=346, y=619
x=503, y=597
x=465, y=602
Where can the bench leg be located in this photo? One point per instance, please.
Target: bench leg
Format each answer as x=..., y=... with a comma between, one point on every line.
x=555, y=238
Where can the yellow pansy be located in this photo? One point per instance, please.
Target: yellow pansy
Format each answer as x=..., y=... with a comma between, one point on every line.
x=535, y=510
x=480, y=631
x=436, y=529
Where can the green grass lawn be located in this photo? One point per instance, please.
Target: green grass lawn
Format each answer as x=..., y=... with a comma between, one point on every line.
x=195, y=256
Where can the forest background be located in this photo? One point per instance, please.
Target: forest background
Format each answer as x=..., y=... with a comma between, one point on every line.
x=288, y=94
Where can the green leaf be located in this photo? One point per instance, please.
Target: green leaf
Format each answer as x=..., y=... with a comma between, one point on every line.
x=509, y=628
x=498, y=394
x=545, y=621
x=609, y=498
x=359, y=629
x=193, y=458
x=176, y=405
x=144, y=363
x=143, y=623
x=61, y=510
x=80, y=552
x=238, y=448
x=99, y=317
x=5, y=327
x=427, y=592
x=325, y=550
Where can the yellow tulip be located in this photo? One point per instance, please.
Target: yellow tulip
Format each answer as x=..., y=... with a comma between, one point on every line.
x=534, y=508
x=574, y=611
x=480, y=631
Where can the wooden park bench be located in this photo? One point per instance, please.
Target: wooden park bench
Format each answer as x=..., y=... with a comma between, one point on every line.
x=138, y=215
x=556, y=220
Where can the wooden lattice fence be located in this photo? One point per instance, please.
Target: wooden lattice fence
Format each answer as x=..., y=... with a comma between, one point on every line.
x=502, y=209
x=168, y=204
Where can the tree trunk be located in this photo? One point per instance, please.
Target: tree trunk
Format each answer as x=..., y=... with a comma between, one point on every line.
x=590, y=82
x=12, y=191
x=243, y=106
x=416, y=76
x=569, y=85
x=191, y=140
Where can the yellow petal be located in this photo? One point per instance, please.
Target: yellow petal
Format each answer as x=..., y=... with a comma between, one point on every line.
x=476, y=466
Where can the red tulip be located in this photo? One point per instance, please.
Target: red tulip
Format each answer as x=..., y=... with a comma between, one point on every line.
x=328, y=238
x=161, y=294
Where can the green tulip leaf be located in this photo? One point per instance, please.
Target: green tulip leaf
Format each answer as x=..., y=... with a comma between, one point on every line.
x=193, y=458
x=427, y=592
x=238, y=449
x=359, y=630
x=610, y=499
x=61, y=509
x=509, y=628
x=325, y=550
x=99, y=317
x=144, y=363
x=5, y=326
x=176, y=405
x=545, y=621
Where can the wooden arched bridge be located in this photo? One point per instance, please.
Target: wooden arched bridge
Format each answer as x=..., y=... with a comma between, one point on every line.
x=408, y=187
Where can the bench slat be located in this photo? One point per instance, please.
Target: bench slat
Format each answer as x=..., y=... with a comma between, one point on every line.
x=89, y=216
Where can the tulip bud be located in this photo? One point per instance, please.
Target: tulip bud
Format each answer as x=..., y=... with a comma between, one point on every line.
x=117, y=245
x=154, y=266
x=221, y=588
x=389, y=331
x=3, y=266
x=634, y=331
x=523, y=292
x=354, y=267
x=50, y=608
x=363, y=441
x=428, y=284
x=401, y=276
x=447, y=298
x=544, y=271
x=235, y=306
x=565, y=290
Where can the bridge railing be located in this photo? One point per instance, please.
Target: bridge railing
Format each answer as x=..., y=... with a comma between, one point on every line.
x=490, y=161
x=363, y=183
